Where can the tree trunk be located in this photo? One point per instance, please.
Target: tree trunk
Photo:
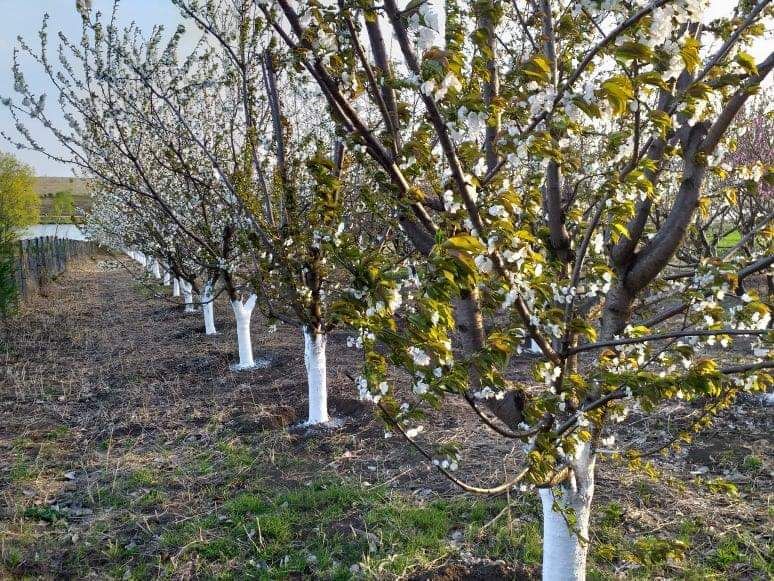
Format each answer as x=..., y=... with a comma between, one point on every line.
x=565, y=548
x=167, y=278
x=242, y=313
x=188, y=296
x=314, y=357
x=155, y=268
x=175, y=287
x=208, y=310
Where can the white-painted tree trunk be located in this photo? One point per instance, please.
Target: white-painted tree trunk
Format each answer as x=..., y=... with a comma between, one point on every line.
x=564, y=548
x=175, y=287
x=208, y=309
x=167, y=277
x=314, y=357
x=243, y=311
x=187, y=296
x=533, y=347
x=155, y=268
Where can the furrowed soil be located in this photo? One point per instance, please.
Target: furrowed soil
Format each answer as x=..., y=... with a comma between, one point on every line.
x=129, y=450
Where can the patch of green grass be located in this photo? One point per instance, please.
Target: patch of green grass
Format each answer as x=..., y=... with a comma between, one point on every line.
x=108, y=496
x=143, y=477
x=236, y=455
x=21, y=470
x=752, y=463
x=324, y=528
x=12, y=557
x=152, y=499
x=43, y=513
x=741, y=549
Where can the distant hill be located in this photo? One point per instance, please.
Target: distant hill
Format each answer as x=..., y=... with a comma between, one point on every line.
x=47, y=187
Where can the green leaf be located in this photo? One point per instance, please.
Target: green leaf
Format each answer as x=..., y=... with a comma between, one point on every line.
x=465, y=243
x=662, y=121
x=583, y=327
x=538, y=68
x=690, y=53
x=699, y=90
x=619, y=91
x=654, y=79
x=634, y=50
x=618, y=231
x=590, y=109
x=747, y=62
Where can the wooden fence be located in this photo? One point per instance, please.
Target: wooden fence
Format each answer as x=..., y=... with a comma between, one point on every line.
x=38, y=260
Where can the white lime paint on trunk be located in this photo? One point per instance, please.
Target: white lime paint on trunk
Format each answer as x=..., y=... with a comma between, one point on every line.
x=208, y=309
x=155, y=268
x=175, y=287
x=167, y=277
x=187, y=296
x=565, y=548
x=314, y=357
x=243, y=311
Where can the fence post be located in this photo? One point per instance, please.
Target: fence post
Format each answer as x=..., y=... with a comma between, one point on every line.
x=40, y=259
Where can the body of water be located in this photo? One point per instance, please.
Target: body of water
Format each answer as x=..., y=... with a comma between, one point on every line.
x=69, y=231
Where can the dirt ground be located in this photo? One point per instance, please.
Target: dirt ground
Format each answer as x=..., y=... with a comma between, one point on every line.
x=121, y=423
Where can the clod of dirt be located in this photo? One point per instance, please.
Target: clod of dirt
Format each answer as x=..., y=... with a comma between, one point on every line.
x=275, y=418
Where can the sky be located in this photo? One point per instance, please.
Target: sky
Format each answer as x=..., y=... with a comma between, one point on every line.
x=24, y=17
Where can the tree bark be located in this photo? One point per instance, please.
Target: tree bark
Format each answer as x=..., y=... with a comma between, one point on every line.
x=314, y=357
x=187, y=288
x=208, y=309
x=242, y=313
x=565, y=548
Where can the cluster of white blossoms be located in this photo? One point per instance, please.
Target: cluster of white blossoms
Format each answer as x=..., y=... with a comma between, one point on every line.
x=420, y=386
x=663, y=19
x=596, y=287
x=363, y=335
x=563, y=294
x=548, y=373
x=628, y=358
x=540, y=100
x=414, y=432
x=484, y=263
x=449, y=463
x=488, y=393
x=437, y=91
x=365, y=393
x=469, y=126
x=427, y=24
x=450, y=204
x=420, y=357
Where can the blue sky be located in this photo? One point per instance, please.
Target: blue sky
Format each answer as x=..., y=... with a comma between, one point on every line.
x=23, y=17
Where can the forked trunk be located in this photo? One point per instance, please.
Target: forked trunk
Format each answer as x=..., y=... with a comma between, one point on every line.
x=565, y=545
x=175, y=287
x=243, y=311
x=314, y=357
x=208, y=309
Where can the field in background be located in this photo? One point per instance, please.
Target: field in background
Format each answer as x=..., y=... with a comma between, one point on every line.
x=47, y=187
